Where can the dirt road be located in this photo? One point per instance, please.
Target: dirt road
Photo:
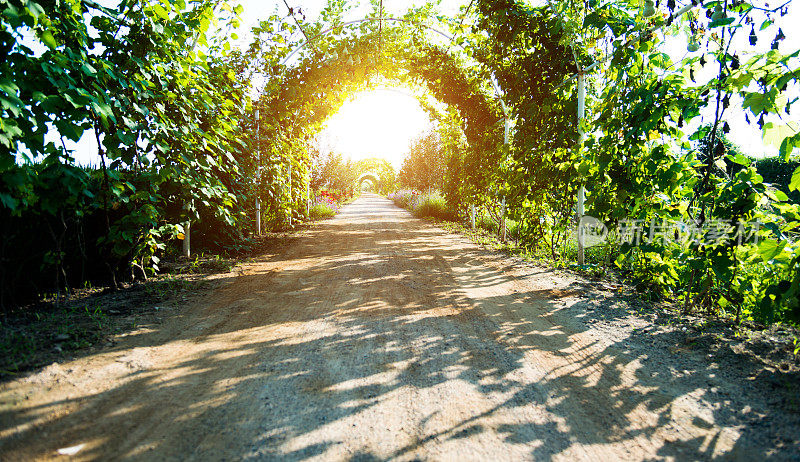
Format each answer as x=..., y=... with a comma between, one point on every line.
x=378, y=336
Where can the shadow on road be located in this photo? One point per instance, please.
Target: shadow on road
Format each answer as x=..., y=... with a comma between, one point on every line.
x=377, y=336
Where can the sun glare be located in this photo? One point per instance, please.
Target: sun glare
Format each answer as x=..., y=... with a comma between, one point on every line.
x=376, y=123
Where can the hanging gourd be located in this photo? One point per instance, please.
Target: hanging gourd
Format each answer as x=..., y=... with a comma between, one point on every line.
x=649, y=9
x=693, y=45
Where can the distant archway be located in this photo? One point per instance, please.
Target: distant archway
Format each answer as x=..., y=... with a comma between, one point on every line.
x=301, y=97
x=370, y=177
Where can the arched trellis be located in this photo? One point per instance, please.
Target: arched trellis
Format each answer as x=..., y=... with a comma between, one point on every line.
x=309, y=40
x=368, y=176
x=449, y=37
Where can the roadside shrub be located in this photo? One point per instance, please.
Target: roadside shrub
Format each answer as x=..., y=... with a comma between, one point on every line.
x=434, y=205
x=778, y=173
x=325, y=206
x=424, y=204
x=484, y=221
x=405, y=198
x=322, y=211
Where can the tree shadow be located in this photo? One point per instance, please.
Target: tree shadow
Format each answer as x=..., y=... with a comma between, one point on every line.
x=375, y=336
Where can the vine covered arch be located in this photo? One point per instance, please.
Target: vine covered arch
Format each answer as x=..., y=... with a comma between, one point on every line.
x=298, y=100
x=369, y=176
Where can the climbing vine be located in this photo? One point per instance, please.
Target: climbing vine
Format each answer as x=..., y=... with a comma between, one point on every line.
x=646, y=161
x=190, y=129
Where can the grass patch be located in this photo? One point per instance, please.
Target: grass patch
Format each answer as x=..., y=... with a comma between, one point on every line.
x=322, y=211
x=40, y=334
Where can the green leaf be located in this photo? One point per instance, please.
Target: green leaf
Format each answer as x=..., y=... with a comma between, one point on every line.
x=8, y=201
x=794, y=185
x=161, y=12
x=757, y=103
x=47, y=38
x=788, y=145
x=68, y=128
x=88, y=70
x=584, y=167
x=769, y=248
x=721, y=22
x=740, y=159
x=777, y=134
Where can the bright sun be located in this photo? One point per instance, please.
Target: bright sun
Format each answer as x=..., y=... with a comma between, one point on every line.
x=376, y=123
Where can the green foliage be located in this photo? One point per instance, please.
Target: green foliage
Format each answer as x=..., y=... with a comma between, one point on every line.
x=778, y=173
x=637, y=162
x=380, y=172
x=331, y=172
x=424, y=165
x=162, y=112
x=167, y=102
x=322, y=211
x=434, y=205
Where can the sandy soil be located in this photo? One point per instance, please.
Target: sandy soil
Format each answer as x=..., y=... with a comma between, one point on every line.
x=378, y=336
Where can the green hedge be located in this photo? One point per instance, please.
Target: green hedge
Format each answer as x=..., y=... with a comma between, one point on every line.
x=779, y=173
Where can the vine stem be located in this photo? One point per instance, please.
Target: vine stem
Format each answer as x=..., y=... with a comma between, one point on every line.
x=105, y=190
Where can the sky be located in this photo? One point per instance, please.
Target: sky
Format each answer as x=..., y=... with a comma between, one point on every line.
x=747, y=136
x=382, y=123
x=377, y=123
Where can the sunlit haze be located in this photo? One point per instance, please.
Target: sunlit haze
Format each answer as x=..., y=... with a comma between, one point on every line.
x=376, y=123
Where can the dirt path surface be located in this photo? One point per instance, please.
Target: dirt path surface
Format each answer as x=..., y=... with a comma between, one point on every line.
x=378, y=336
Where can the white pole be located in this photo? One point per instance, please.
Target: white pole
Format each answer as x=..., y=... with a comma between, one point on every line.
x=503, y=221
x=258, y=175
x=308, y=192
x=581, y=137
x=258, y=217
x=506, y=140
x=187, y=249
x=472, y=216
x=187, y=245
x=289, y=208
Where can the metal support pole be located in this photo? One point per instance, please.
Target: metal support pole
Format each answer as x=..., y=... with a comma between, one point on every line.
x=472, y=216
x=258, y=217
x=258, y=174
x=503, y=220
x=308, y=193
x=581, y=138
x=506, y=141
x=289, y=208
x=187, y=244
